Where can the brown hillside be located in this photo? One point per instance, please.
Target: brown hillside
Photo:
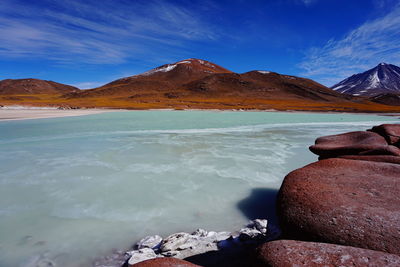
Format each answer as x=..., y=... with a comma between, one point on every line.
x=387, y=99
x=195, y=83
x=197, y=78
x=33, y=86
x=264, y=85
x=161, y=79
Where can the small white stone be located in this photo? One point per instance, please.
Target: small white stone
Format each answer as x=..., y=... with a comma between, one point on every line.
x=261, y=225
x=200, y=232
x=174, y=242
x=249, y=234
x=141, y=255
x=152, y=242
x=222, y=236
x=192, y=247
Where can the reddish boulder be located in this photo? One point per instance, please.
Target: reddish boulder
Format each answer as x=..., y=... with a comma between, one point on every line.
x=386, y=150
x=376, y=158
x=165, y=262
x=391, y=132
x=283, y=253
x=348, y=144
x=351, y=202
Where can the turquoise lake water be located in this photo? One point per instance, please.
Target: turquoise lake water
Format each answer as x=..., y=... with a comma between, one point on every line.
x=72, y=189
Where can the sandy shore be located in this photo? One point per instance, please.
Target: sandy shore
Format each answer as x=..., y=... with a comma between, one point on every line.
x=26, y=114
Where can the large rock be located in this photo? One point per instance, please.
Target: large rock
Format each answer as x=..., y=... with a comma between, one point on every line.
x=391, y=132
x=385, y=150
x=165, y=262
x=285, y=253
x=351, y=143
x=343, y=201
x=376, y=158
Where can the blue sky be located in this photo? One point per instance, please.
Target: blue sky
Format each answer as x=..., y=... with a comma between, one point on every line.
x=88, y=42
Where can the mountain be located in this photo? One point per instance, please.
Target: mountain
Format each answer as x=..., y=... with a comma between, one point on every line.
x=194, y=84
x=161, y=79
x=33, y=87
x=261, y=85
x=200, y=79
x=384, y=78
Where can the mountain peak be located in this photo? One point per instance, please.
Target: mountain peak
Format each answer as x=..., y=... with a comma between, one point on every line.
x=185, y=70
x=384, y=78
x=192, y=65
x=193, y=60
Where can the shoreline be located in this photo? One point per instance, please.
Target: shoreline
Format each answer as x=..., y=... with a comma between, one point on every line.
x=29, y=113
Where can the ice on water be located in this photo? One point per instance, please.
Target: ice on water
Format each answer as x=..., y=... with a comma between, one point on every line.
x=72, y=189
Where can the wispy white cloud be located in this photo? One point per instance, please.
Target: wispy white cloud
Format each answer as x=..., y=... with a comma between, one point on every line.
x=308, y=2
x=380, y=4
x=364, y=47
x=97, y=31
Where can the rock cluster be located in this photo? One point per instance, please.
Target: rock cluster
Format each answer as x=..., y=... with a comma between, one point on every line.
x=350, y=197
x=185, y=245
x=343, y=201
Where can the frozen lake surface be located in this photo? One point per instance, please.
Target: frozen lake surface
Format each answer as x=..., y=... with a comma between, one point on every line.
x=72, y=189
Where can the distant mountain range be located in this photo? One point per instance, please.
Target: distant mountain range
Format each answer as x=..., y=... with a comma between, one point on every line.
x=202, y=79
x=383, y=79
x=194, y=83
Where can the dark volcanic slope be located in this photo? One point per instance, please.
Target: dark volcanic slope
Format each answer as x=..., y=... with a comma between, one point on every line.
x=384, y=78
x=387, y=99
x=33, y=86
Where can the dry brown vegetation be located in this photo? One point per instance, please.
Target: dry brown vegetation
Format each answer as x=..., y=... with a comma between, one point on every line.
x=226, y=103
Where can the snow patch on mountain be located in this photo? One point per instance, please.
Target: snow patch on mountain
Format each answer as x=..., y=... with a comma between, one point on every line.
x=374, y=80
x=166, y=68
x=264, y=72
